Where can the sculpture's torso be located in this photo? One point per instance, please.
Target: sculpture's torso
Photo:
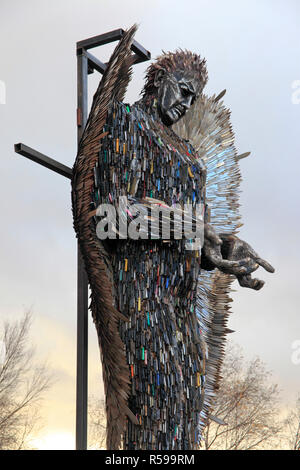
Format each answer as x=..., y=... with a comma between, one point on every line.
x=155, y=282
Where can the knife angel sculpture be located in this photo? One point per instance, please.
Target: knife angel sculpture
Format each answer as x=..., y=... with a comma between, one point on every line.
x=160, y=308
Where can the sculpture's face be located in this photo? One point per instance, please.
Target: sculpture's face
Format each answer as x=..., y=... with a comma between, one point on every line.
x=176, y=93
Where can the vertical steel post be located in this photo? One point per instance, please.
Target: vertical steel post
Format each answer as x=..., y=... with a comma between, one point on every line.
x=82, y=282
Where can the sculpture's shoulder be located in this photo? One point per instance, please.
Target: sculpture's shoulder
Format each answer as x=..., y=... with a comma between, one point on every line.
x=164, y=137
x=132, y=123
x=141, y=156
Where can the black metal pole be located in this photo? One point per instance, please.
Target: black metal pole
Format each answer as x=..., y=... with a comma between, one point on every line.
x=43, y=160
x=82, y=282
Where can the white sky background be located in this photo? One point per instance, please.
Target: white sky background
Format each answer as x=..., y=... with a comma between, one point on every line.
x=253, y=50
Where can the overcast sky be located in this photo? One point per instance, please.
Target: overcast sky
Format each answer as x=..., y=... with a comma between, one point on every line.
x=253, y=50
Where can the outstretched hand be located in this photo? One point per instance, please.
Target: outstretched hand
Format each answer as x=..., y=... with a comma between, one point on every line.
x=232, y=256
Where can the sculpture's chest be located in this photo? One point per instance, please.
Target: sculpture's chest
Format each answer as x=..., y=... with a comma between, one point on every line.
x=142, y=158
x=164, y=166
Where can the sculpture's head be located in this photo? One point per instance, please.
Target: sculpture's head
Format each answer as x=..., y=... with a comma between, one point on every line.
x=175, y=80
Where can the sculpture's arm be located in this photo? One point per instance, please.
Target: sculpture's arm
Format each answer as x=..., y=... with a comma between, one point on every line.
x=232, y=255
x=134, y=214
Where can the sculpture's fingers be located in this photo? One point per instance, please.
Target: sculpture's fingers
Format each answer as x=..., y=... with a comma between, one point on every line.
x=232, y=267
x=257, y=284
x=241, y=263
x=247, y=281
x=267, y=266
x=252, y=267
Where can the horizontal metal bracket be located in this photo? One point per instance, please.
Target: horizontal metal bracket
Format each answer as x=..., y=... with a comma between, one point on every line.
x=43, y=160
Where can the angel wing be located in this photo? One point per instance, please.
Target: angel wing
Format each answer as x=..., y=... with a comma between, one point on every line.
x=106, y=316
x=207, y=126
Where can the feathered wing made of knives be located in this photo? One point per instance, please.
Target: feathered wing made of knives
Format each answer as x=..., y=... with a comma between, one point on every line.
x=161, y=323
x=207, y=125
x=97, y=263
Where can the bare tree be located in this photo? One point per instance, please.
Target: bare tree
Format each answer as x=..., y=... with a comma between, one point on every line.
x=97, y=424
x=247, y=401
x=292, y=427
x=22, y=384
